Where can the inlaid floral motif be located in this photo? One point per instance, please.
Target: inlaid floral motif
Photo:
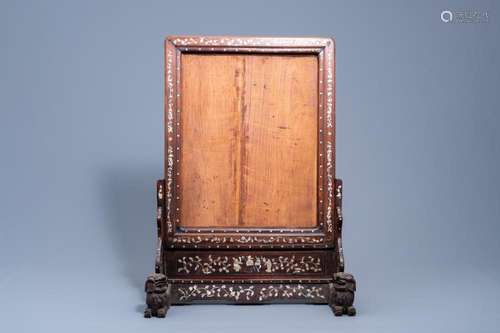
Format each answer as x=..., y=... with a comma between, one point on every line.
x=329, y=146
x=170, y=93
x=252, y=293
x=289, y=291
x=249, y=264
x=329, y=90
x=248, y=41
x=329, y=175
x=248, y=240
x=170, y=150
x=170, y=172
x=338, y=192
x=216, y=291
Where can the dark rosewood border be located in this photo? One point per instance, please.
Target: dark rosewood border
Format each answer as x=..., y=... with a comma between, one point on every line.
x=323, y=236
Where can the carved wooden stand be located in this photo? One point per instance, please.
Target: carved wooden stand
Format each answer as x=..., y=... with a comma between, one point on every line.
x=283, y=249
x=337, y=291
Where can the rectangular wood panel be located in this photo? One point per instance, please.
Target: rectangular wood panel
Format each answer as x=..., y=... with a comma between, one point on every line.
x=249, y=140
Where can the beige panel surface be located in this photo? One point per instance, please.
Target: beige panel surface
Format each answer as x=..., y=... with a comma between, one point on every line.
x=249, y=141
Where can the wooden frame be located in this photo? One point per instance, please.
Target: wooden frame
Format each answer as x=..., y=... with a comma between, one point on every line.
x=295, y=264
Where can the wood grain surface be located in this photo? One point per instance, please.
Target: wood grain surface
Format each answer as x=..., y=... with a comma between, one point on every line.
x=248, y=140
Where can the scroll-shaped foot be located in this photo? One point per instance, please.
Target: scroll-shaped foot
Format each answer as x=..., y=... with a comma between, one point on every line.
x=157, y=296
x=342, y=294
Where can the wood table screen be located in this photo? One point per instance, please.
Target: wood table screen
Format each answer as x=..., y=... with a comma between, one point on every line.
x=249, y=140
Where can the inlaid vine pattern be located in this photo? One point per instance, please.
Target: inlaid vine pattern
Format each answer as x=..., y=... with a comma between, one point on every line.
x=247, y=41
x=244, y=240
x=329, y=146
x=329, y=167
x=170, y=150
x=252, y=293
x=249, y=264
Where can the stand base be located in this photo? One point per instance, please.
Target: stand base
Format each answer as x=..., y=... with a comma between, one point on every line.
x=338, y=293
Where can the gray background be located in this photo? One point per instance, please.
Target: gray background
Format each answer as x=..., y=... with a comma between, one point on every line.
x=81, y=147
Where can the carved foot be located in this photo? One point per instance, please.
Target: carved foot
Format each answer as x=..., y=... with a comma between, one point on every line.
x=157, y=296
x=351, y=311
x=338, y=310
x=161, y=313
x=342, y=294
